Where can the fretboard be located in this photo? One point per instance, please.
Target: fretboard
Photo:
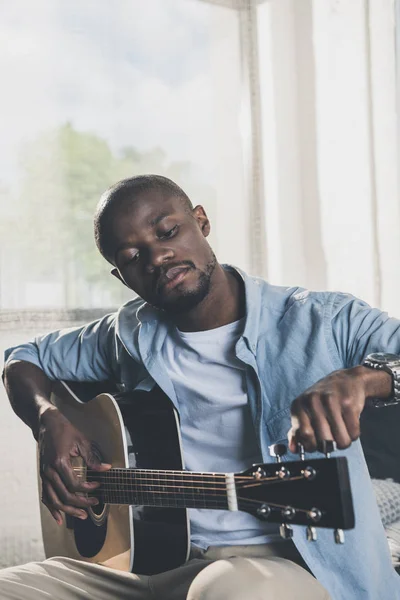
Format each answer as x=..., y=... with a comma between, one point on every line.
x=180, y=489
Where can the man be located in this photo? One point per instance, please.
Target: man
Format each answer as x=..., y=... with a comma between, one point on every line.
x=243, y=362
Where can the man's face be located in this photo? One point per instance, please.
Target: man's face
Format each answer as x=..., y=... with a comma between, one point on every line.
x=160, y=251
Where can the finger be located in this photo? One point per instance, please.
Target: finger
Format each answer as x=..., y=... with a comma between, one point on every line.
x=338, y=427
x=91, y=456
x=303, y=431
x=101, y=466
x=292, y=440
x=64, y=494
x=93, y=462
x=54, y=503
x=319, y=420
x=70, y=480
x=351, y=417
x=56, y=514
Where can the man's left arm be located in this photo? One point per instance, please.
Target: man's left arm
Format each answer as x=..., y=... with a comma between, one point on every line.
x=331, y=408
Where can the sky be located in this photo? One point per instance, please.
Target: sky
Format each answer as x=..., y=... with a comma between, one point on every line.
x=136, y=72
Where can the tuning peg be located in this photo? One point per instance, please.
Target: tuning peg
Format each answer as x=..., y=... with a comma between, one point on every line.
x=263, y=511
x=283, y=473
x=277, y=451
x=314, y=515
x=326, y=447
x=300, y=449
x=339, y=536
x=259, y=473
x=311, y=533
x=309, y=473
x=286, y=531
x=288, y=512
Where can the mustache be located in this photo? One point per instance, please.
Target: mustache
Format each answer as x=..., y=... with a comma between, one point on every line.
x=161, y=279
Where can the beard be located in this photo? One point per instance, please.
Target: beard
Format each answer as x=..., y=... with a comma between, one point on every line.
x=188, y=299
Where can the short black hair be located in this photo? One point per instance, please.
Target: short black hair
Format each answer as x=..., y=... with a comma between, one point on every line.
x=130, y=189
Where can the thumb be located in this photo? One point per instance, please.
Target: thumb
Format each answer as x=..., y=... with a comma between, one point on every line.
x=100, y=466
x=92, y=459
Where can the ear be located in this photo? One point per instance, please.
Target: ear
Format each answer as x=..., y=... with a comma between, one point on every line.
x=117, y=274
x=200, y=215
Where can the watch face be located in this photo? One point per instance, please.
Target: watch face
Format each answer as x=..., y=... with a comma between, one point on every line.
x=384, y=358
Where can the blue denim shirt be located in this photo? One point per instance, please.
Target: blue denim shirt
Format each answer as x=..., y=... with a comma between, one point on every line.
x=291, y=339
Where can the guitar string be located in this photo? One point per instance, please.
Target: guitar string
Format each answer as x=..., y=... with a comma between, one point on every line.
x=143, y=480
x=273, y=505
x=130, y=487
x=242, y=482
x=222, y=485
x=293, y=478
x=139, y=482
x=152, y=472
x=222, y=488
x=156, y=483
x=247, y=501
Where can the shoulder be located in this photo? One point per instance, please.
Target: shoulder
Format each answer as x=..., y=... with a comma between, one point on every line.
x=284, y=300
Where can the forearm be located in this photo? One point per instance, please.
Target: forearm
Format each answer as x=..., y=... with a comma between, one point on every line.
x=29, y=390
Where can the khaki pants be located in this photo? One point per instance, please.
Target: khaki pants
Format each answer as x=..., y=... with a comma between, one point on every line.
x=220, y=573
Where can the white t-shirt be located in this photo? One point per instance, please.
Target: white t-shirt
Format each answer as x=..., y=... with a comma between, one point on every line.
x=216, y=426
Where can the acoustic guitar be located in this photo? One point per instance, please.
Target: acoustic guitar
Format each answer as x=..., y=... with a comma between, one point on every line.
x=141, y=523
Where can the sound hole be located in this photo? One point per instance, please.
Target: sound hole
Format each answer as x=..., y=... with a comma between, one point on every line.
x=99, y=513
x=90, y=534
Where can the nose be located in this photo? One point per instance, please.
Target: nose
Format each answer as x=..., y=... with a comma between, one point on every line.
x=157, y=257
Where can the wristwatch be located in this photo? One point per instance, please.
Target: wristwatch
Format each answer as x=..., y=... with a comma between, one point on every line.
x=383, y=361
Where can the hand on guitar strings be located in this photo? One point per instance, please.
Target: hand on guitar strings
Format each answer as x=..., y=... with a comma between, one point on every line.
x=331, y=408
x=59, y=442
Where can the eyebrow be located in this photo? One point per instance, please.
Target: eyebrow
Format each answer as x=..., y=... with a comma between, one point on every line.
x=160, y=217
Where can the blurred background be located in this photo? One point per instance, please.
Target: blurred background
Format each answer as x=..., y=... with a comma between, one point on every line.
x=280, y=117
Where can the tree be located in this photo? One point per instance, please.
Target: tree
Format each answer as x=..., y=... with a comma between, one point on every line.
x=64, y=173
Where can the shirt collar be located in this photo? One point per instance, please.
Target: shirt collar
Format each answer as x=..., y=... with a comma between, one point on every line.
x=143, y=314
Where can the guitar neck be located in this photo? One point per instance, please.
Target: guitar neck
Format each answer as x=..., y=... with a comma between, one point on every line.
x=177, y=489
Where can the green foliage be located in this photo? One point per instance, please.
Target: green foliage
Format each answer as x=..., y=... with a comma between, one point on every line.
x=63, y=174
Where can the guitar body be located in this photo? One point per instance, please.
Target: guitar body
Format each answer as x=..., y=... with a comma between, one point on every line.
x=131, y=429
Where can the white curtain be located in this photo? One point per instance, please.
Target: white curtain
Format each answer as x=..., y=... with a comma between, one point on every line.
x=330, y=156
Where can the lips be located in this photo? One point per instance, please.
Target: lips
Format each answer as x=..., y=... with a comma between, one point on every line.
x=172, y=277
x=171, y=273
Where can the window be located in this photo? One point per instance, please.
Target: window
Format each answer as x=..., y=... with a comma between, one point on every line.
x=96, y=91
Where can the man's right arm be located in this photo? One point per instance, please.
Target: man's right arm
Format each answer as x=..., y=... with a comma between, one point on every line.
x=28, y=389
x=73, y=354
x=29, y=392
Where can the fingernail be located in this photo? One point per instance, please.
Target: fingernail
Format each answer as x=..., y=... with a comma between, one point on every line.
x=105, y=464
x=82, y=515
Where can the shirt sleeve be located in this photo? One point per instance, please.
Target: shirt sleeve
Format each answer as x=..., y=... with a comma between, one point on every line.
x=86, y=353
x=359, y=330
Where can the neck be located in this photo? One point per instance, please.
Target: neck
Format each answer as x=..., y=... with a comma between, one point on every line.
x=225, y=303
x=179, y=489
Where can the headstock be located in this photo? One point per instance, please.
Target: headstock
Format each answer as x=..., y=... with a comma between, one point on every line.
x=314, y=493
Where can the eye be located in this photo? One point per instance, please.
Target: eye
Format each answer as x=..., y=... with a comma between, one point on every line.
x=131, y=260
x=135, y=258
x=169, y=234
